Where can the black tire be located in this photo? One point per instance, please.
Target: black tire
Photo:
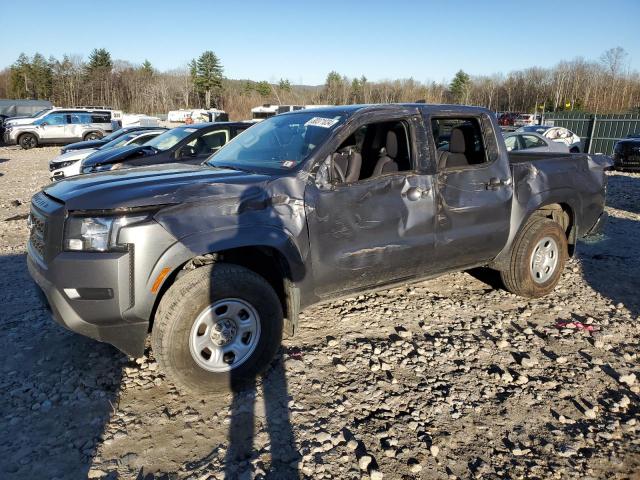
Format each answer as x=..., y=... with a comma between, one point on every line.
x=519, y=277
x=574, y=150
x=182, y=304
x=92, y=136
x=28, y=140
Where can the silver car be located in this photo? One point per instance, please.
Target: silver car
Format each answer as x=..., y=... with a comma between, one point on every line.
x=532, y=142
x=59, y=126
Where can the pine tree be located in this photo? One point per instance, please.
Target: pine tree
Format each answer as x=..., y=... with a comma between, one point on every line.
x=460, y=87
x=147, y=69
x=207, y=77
x=263, y=88
x=99, y=61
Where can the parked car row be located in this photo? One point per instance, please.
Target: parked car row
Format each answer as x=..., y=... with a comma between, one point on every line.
x=139, y=146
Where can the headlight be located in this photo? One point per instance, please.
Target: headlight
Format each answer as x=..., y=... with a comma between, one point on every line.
x=59, y=165
x=102, y=168
x=96, y=234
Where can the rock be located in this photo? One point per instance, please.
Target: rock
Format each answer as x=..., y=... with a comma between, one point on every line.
x=376, y=475
x=502, y=344
x=96, y=474
x=628, y=379
x=414, y=465
x=352, y=445
x=364, y=461
x=341, y=367
x=591, y=413
x=435, y=450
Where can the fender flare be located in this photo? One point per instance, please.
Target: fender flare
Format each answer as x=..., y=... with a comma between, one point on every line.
x=212, y=241
x=520, y=215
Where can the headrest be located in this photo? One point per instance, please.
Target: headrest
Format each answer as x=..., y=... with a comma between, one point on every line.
x=392, y=144
x=457, y=142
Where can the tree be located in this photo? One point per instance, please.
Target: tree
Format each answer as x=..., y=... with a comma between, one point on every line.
x=613, y=59
x=20, y=82
x=284, y=85
x=99, y=61
x=207, y=77
x=460, y=87
x=147, y=69
x=263, y=88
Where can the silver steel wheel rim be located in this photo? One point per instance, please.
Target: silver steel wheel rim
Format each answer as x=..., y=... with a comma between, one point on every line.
x=224, y=335
x=544, y=260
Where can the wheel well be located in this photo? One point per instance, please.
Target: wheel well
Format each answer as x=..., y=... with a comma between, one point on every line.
x=562, y=214
x=27, y=133
x=267, y=262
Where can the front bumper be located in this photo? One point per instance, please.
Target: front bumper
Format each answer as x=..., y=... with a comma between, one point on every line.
x=629, y=162
x=104, y=295
x=9, y=138
x=100, y=319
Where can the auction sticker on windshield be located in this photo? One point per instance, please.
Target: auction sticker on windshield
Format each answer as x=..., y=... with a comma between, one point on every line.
x=321, y=122
x=289, y=164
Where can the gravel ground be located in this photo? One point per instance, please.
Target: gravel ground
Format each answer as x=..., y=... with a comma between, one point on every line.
x=438, y=380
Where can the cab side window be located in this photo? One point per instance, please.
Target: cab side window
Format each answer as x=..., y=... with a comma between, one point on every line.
x=459, y=142
x=373, y=150
x=209, y=142
x=530, y=141
x=55, y=119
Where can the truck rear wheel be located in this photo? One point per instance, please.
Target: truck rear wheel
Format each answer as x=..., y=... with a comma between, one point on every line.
x=28, y=140
x=538, y=257
x=217, y=328
x=92, y=136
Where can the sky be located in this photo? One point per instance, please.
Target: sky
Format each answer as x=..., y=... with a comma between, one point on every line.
x=304, y=40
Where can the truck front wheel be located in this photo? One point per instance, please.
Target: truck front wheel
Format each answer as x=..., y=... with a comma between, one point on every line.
x=538, y=256
x=216, y=328
x=28, y=140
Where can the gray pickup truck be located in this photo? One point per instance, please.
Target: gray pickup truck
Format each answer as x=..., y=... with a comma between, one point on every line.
x=217, y=260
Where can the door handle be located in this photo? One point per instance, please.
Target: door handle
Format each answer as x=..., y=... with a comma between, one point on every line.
x=416, y=193
x=495, y=183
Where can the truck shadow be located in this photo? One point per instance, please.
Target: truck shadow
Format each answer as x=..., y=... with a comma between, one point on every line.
x=260, y=437
x=612, y=264
x=623, y=193
x=57, y=389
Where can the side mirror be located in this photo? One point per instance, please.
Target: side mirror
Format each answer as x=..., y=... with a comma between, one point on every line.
x=43, y=124
x=323, y=174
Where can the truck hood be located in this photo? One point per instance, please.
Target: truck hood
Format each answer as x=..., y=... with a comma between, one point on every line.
x=153, y=185
x=118, y=155
x=83, y=145
x=72, y=155
x=14, y=121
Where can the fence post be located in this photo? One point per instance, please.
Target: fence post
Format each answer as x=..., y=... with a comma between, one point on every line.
x=594, y=120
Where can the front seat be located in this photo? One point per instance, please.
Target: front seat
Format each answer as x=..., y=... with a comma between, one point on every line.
x=348, y=163
x=456, y=155
x=387, y=160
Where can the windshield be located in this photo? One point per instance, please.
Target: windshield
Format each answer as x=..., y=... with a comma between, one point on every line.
x=41, y=112
x=278, y=143
x=113, y=135
x=120, y=141
x=170, y=139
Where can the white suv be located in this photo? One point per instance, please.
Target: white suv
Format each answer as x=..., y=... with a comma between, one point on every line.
x=58, y=125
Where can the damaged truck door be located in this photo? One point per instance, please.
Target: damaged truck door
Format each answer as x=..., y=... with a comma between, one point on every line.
x=374, y=223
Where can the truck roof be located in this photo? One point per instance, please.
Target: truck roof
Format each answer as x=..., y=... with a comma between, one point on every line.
x=351, y=109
